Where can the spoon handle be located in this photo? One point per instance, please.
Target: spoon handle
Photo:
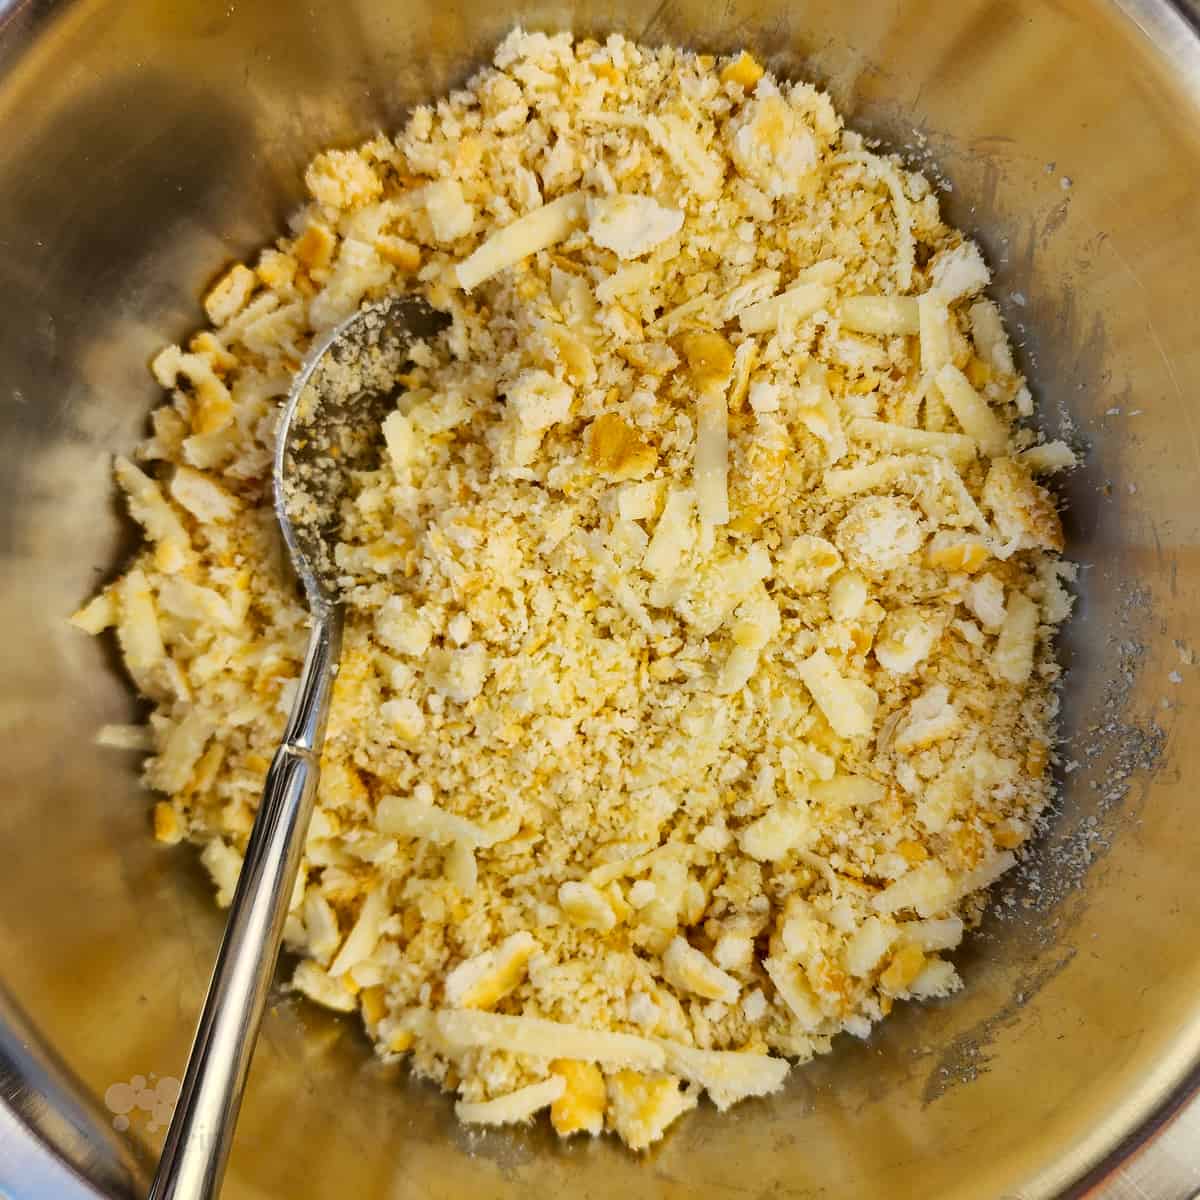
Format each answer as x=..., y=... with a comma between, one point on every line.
x=197, y=1144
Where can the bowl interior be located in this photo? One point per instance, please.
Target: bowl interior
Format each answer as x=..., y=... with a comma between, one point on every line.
x=149, y=142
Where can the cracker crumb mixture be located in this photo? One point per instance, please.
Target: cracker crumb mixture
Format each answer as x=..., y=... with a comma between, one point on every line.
x=698, y=667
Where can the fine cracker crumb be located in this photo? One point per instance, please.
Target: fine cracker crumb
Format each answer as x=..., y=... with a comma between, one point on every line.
x=699, y=611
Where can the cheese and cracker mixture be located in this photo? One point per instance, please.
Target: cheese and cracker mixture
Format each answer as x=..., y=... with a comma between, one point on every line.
x=698, y=667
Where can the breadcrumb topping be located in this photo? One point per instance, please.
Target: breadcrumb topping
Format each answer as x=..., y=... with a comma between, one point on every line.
x=698, y=666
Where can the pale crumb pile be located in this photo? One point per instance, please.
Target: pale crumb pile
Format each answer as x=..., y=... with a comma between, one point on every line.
x=698, y=672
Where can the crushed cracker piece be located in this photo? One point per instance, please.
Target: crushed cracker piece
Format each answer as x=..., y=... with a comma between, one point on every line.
x=617, y=450
x=1024, y=512
x=640, y=1107
x=580, y=1106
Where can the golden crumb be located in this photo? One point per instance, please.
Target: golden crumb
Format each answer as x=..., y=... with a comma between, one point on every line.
x=616, y=449
x=580, y=1108
x=709, y=358
x=903, y=969
x=167, y=827
x=744, y=70
x=315, y=246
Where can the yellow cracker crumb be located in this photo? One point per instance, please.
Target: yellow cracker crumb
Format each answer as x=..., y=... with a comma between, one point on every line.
x=696, y=669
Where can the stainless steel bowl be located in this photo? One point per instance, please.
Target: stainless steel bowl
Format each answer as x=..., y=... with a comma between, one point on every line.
x=143, y=143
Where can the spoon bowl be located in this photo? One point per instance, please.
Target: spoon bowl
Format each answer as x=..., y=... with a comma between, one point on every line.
x=329, y=428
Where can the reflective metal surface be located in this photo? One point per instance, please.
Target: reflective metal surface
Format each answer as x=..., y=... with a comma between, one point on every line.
x=143, y=143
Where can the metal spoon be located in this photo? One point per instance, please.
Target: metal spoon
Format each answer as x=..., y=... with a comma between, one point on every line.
x=330, y=425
